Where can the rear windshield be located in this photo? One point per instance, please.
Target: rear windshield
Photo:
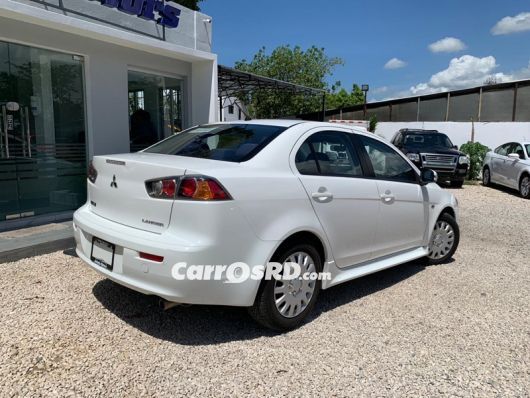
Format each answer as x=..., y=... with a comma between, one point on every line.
x=227, y=142
x=428, y=140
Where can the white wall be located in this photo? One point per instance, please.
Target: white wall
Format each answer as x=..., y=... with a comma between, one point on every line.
x=489, y=134
x=238, y=108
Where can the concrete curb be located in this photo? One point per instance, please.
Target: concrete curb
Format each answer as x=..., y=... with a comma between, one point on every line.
x=36, y=250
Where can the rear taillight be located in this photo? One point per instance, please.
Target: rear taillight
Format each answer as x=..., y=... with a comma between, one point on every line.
x=92, y=173
x=162, y=189
x=202, y=188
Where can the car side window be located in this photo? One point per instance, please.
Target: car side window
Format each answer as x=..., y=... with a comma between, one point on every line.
x=386, y=162
x=518, y=149
x=328, y=153
x=503, y=149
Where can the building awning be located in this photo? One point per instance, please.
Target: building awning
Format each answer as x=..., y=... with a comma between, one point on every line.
x=234, y=83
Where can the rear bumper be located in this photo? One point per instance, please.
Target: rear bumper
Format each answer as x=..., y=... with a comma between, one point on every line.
x=156, y=278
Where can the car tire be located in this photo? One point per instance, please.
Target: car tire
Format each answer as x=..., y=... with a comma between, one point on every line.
x=267, y=312
x=524, y=186
x=444, y=240
x=457, y=184
x=486, y=177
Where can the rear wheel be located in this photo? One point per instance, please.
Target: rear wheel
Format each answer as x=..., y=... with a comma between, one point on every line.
x=486, y=177
x=284, y=305
x=524, y=186
x=445, y=239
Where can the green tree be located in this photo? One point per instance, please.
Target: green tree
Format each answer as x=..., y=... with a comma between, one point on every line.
x=310, y=68
x=339, y=98
x=192, y=4
x=476, y=152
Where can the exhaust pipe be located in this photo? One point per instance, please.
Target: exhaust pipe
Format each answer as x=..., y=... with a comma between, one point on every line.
x=167, y=305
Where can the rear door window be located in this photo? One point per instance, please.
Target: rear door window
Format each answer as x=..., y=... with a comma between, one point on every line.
x=226, y=142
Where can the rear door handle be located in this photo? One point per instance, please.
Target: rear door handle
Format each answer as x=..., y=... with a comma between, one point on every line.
x=322, y=197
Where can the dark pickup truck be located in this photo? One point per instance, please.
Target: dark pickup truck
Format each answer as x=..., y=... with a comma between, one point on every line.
x=434, y=150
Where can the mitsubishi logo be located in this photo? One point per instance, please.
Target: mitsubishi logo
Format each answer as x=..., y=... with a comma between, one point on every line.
x=114, y=184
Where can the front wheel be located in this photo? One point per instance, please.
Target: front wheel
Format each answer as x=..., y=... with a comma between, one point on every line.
x=524, y=187
x=444, y=241
x=283, y=305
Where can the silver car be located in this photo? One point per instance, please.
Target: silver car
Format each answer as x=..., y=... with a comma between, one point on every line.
x=509, y=165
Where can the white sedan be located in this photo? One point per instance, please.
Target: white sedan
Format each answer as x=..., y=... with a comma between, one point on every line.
x=334, y=200
x=509, y=165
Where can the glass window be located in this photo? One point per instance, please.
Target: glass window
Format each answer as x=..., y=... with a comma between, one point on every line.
x=42, y=131
x=226, y=142
x=421, y=140
x=305, y=162
x=502, y=150
x=386, y=162
x=528, y=150
x=155, y=108
x=328, y=153
x=518, y=149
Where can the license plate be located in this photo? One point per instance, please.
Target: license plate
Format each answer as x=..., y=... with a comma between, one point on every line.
x=103, y=253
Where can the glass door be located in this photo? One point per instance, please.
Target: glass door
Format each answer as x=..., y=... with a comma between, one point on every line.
x=42, y=132
x=155, y=108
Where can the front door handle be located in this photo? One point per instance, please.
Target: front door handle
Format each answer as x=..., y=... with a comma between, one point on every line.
x=388, y=198
x=322, y=197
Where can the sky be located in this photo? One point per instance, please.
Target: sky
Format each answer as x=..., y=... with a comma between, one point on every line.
x=398, y=47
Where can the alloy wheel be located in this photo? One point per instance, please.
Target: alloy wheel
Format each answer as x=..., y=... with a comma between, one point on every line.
x=292, y=297
x=442, y=241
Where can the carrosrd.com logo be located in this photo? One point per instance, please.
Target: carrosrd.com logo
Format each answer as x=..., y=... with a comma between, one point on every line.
x=242, y=272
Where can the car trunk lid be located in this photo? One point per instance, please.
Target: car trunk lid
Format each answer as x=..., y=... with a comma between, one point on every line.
x=119, y=193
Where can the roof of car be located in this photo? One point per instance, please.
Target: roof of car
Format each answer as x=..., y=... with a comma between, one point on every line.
x=419, y=131
x=267, y=122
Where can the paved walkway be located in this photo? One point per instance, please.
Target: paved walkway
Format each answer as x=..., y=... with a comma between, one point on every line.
x=33, y=241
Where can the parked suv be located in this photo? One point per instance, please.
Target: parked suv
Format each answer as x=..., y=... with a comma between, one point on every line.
x=434, y=150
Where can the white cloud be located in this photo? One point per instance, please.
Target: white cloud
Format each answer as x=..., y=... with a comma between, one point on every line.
x=395, y=63
x=465, y=72
x=447, y=45
x=508, y=25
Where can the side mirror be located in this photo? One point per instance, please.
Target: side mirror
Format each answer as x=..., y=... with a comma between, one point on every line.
x=455, y=147
x=427, y=176
x=514, y=156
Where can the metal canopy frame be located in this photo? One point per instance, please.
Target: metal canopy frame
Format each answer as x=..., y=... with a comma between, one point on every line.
x=233, y=82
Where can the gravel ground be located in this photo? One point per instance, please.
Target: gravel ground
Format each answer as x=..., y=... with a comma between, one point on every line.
x=461, y=329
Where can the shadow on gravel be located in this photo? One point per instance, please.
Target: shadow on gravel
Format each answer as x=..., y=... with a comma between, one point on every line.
x=206, y=325
x=502, y=188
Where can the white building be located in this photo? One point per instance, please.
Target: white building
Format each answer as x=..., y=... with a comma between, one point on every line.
x=80, y=78
x=233, y=110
